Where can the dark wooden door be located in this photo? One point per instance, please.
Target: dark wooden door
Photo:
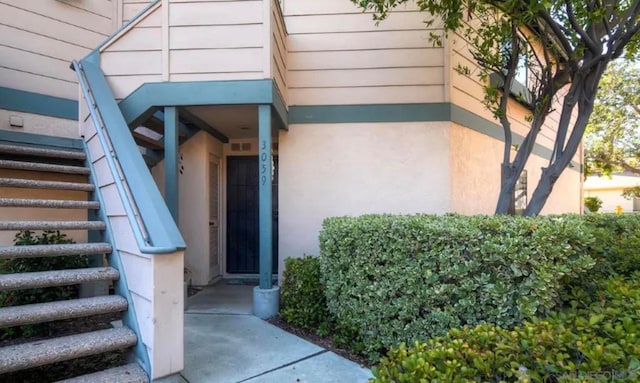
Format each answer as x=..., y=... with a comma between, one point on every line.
x=242, y=216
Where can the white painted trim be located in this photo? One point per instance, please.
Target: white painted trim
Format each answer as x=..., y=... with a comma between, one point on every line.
x=165, y=40
x=266, y=38
x=130, y=26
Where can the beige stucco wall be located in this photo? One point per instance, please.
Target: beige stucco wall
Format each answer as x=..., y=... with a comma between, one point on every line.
x=352, y=169
x=193, y=197
x=39, y=124
x=475, y=176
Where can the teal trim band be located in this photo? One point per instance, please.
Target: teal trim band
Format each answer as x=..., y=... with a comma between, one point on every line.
x=378, y=113
x=36, y=103
x=280, y=107
x=137, y=106
x=336, y=114
x=472, y=121
x=32, y=139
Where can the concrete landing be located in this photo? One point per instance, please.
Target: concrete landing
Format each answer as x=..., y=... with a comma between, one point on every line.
x=224, y=343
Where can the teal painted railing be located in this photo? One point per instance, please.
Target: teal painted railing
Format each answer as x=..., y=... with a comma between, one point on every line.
x=154, y=228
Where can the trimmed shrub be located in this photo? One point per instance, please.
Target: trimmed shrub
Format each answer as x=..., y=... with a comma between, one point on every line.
x=407, y=278
x=303, y=301
x=39, y=295
x=593, y=204
x=616, y=246
x=598, y=342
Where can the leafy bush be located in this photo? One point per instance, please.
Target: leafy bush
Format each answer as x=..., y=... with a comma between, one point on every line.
x=591, y=342
x=406, y=278
x=302, y=293
x=593, y=204
x=616, y=245
x=39, y=295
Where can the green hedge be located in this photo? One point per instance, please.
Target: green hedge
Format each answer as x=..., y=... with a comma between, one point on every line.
x=617, y=244
x=593, y=342
x=302, y=294
x=406, y=278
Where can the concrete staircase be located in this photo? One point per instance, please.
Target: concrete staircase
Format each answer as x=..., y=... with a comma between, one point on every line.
x=16, y=161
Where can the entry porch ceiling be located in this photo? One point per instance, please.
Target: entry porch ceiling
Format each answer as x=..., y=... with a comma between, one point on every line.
x=233, y=121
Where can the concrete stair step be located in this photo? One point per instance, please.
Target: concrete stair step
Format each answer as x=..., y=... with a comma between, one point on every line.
x=38, y=184
x=131, y=373
x=42, y=167
x=52, y=278
x=34, y=251
x=42, y=352
x=58, y=310
x=48, y=203
x=52, y=225
x=41, y=152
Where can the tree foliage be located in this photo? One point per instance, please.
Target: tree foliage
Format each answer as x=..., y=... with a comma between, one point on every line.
x=612, y=141
x=566, y=47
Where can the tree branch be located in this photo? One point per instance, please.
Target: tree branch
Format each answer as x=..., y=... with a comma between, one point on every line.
x=558, y=34
x=574, y=23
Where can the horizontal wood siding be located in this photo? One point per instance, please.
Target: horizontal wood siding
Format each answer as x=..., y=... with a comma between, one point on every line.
x=278, y=49
x=216, y=40
x=135, y=57
x=130, y=8
x=468, y=92
x=337, y=55
x=38, y=40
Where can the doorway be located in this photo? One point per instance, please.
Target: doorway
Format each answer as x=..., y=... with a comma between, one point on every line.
x=242, y=215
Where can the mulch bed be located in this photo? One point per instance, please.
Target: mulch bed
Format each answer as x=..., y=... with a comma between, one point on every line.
x=72, y=368
x=324, y=342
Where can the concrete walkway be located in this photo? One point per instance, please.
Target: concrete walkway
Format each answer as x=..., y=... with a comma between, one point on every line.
x=225, y=343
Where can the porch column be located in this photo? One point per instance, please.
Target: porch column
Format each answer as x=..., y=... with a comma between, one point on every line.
x=171, y=160
x=266, y=297
x=265, y=215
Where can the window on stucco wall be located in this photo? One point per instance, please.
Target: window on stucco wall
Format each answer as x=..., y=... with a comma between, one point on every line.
x=520, y=194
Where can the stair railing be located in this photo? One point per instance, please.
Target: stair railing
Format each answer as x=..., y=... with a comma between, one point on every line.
x=153, y=226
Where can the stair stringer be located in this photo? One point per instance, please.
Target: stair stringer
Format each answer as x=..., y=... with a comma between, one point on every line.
x=151, y=283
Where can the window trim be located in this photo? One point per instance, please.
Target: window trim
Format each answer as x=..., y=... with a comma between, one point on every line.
x=518, y=91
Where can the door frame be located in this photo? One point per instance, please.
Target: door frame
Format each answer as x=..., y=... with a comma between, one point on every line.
x=221, y=216
x=226, y=154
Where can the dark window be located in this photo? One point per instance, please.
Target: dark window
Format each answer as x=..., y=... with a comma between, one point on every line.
x=520, y=194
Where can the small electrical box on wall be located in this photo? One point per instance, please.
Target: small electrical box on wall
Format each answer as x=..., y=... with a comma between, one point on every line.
x=16, y=122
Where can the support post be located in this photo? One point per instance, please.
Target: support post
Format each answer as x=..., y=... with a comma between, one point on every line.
x=171, y=164
x=266, y=297
x=264, y=189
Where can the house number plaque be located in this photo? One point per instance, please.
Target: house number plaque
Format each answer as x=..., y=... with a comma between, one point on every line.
x=264, y=162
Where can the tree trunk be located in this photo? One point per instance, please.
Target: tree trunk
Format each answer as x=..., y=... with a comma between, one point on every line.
x=585, y=94
x=508, y=179
x=541, y=193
